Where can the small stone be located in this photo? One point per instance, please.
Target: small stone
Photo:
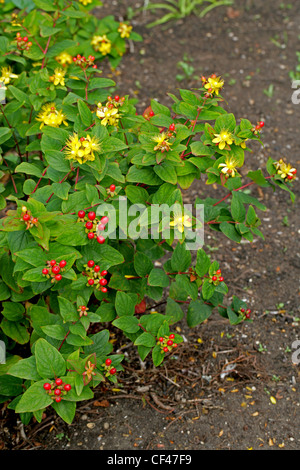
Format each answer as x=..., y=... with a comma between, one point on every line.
x=106, y=425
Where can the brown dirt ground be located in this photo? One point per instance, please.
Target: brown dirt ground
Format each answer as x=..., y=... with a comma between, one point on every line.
x=186, y=404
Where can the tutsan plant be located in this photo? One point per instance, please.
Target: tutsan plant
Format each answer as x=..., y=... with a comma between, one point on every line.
x=86, y=184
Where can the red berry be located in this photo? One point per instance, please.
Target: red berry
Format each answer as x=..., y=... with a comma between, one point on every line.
x=113, y=371
x=103, y=282
x=82, y=139
x=91, y=282
x=166, y=349
x=108, y=362
x=45, y=271
x=112, y=187
x=91, y=235
x=57, y=392
x=294, y=172
x=172, y=336
x=104, y=290
x=175, y=345
x=242, y=310
x=78, y=56
x=89, y=225
x=55, y=269
x=94, y=66
x=151, y=113
x=172, y=127
x=103, y=273
x=247, y=315
x=97, y=268
x=257, y=127
x=101, y=227
x=101, y=240
x=58, y=381
x=170, y=342
x=58, y=277
x=67, y=387
x=47, y=386
x=58, y=399
x=290, y=177
x=218, y=271
x=213, y=75
x=248, y=310
x=221, y=279
x=261, y=123
x=160, y=339
x=74, y=59
x=63, y=263
x=91, y=215
x=53, y=262
x=117, y=97
x=26, y=217
x=104, y=219
x=29, y=44
x=91, y=263
x=25, y=38
x=83, y=307
x=214, y=278
x=81, y=214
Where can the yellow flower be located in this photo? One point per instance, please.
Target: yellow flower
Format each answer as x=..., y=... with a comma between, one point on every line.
x=101, y=44
x=85, y=2
x=162, y=143
x=124, y=30
x=285, y=170
x=59, y=77
x=82, y=150
x=6, y=75
x=222, y=139
x=229, y=167
x=180, y=221
x=15, y=20
x=64, y=58
x=108, y=114
x=50, y=116
x=214, y=84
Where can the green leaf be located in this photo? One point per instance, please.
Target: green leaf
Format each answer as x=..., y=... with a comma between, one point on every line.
x=225, y=122
x=10, y=386
x=124, y=304
x=54, y=331
x=208, y=289
x=65, y=409
x=157, y=355
x=35, y=398
x=145, y=339
x=142, y=264
x=229, y=230
x=238, y=210
x=28, y=169
x=166, y=172
x=49, y=362
x=181, y=258
x=15, y=330
x=101, y=346
x=203, y=263
x=67, y=310
x=25, y=369
x=13, y=311
x=85, y=113
x=174, y=311
x=158, y=277
x=126, y=323
x=5, y=134
x=198, y=311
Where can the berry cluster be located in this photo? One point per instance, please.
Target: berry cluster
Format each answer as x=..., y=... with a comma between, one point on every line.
x=96, y=277
x=93, y=225
x=111, y=190
x=83, y=310
x=116, y=101
x=22, y=43
x=108, y=367
x=258, y=127
x=171, y=130
x=84, y=63
x=246, y=314
x=167, y=343
x=54, y=270
x=28, y=219
x=216, y=277
x=57, y=389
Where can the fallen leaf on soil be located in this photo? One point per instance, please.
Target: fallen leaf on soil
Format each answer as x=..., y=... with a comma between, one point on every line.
x=103, y=403
x=271, y=442
x=232, y=13
x=221, y=433
x=273, y=400
x=256, y=413
x=90, y=425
